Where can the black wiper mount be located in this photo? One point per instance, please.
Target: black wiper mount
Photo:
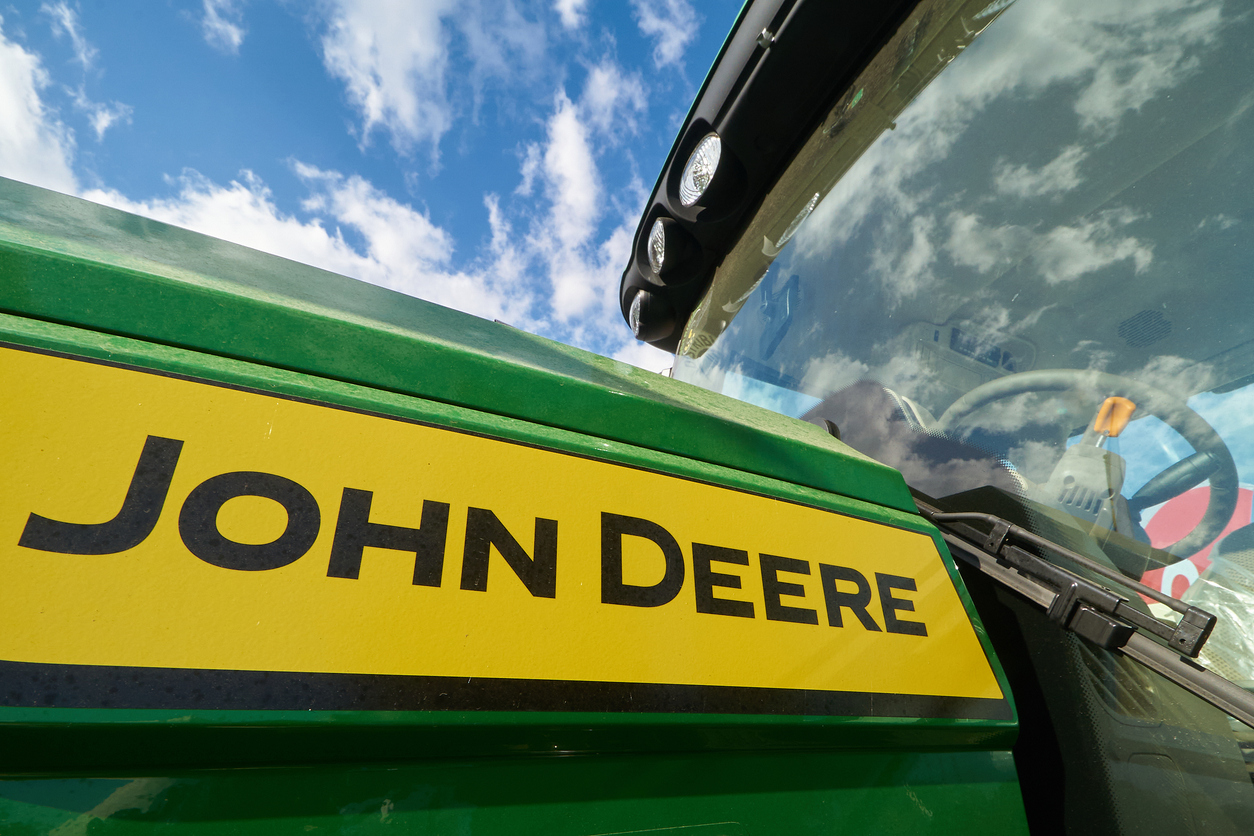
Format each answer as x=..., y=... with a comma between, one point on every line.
x=1077, y=596
x=1093, y=611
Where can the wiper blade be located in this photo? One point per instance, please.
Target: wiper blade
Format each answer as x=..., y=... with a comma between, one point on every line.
x=1093, y=611
x=1186, y=637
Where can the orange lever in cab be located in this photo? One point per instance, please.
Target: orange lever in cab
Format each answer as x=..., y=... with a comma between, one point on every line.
x=1114, y=415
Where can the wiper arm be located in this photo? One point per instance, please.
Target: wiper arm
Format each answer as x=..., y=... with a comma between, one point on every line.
x=1095, y=612
x=1187, y=637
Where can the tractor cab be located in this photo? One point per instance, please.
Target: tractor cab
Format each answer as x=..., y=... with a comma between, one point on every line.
x=943, y=525
x=1007, y=257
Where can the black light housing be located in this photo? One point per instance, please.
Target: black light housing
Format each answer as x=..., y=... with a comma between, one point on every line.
x=698, y=173
x=783, y=67
x=723, y=194
x=669, y=252
x=650, y=316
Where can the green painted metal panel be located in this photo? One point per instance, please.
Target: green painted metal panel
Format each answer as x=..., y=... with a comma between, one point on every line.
x=703, y=795
x=95, y=283
x=66, y=260
x=49, y=739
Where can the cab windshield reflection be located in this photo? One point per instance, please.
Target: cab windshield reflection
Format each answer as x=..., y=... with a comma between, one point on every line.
x=1057, y=212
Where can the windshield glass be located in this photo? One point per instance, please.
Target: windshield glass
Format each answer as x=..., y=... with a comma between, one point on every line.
x=1019, y=211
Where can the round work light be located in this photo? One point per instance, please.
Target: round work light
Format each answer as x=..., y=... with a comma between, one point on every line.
x=700, y=170
x=650, y=316
x=669, y=251
x=637, y=306
x=657, y=246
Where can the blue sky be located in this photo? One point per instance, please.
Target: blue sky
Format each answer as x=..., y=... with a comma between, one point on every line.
x=489, y=155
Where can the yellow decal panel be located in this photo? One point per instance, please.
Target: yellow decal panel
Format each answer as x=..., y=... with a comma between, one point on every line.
x=150, y=521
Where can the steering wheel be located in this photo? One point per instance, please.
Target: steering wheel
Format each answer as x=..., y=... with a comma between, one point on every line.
x=1168, y=408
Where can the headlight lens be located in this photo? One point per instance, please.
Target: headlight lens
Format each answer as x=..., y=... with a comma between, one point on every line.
x=700, y=170
x=650, y=316
x=657, y=246
x=633, y=318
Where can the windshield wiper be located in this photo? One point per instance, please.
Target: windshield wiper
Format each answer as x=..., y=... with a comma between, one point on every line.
x=1093, y=611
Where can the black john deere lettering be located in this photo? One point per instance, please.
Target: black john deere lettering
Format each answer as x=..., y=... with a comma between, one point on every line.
x=614, y=591
x=198, y=521
x=133, y=523
x=720, y=592
x=354, y=532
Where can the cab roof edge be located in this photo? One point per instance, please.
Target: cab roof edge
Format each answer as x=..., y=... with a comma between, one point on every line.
x=752, y=101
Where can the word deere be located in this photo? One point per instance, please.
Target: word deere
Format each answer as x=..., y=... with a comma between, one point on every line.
x=844, y=589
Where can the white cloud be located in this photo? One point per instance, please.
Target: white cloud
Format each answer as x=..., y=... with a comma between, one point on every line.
x=573, y=237
x=101, y=116
x=1178, y=375
x=1148, y=59
x=1102, y=60
x=644, y=356
x=583, y=237
x=612, y=100
x=393, y=58
x=904, y=263
x=1029, y=50
x=65, y=22
x=242, y=212
x=501, y=45
x=1222, y=221
x=508, y=264
x=670, y=24
x=551, y=265
x=35, y=147
x=223, y=25
x=395, y=233
x=910, y=375
x=1061, y=174
x=571, y=12
x=1067, y=252
x=573, y=188
x=1061, y=254
x=832, y=372
x=401, y=248
x=529, y=167
x=972, y=243
x=579, y=235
